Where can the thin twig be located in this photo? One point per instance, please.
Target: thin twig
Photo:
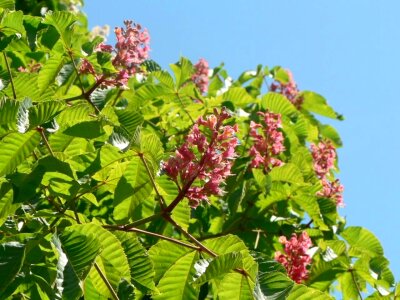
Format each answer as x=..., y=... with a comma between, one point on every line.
x=142, y=221
x=198, y=243
x=160, y=236
x=160, y=197
x=41, y=131
x=84, y=94
x=11, y=78
x=189, y=236
x=108, y=284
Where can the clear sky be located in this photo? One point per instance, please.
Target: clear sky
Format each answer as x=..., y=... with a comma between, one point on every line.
x=348, y=51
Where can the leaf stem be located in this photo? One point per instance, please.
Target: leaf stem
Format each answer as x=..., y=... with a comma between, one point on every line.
x=142, y=221
x=43, y=135
x=189, y=236
x=11, y=77
x=355, y=282
x=104, y=278
x=160, y=197
x=160, y=236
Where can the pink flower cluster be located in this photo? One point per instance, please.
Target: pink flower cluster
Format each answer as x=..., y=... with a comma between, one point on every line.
x=295, y=259
x=132, y=46
x=132, y=49
x=200, y=77
x=267, y=144
x=289, y=90
x=332, y=190
x=324, y=155
x=205, y=159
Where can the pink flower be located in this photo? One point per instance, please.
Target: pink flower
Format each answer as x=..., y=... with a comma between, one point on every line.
x=132, y=46
x=268, y=143
x=132, y=49
x=86, y=67
x=295, y=259
x=289, y=90
x=200, y=77
x=324, y=155
x=332, y=190
x=204, y=161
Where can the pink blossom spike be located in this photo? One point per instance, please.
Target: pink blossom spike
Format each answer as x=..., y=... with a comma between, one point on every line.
x=200, y=77
x=204, y=162
x=295, y=259
x=267, y=141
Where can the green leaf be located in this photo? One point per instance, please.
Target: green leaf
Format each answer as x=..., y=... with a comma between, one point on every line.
x=362, y=241
x=229, y=244
x=49, y=71
x=12, y=255
x=277, y=103
x=220, y=266
x=280, y=74
x=150, y=92
x=111, y=260
x=315, y=103
x=174, y=270
x=81, y=250
x=164, y=77
x=235, y=286
x=287, y=173
x=9, y=109
x=310, y=204
x=238, y=96
x=302, y=292
x=348, y=286
x=141, y=267
x=63, y=22
x=324, y=272
x=182, y=71
x=6, y=201
x=67, y=281
x=272, y=281
x=329, y=132
x=69, y=145
x=12, y=23
x=133, y=188
x=274, y=285
x=168, y=189
x=44, y=112
x=7, y=4
x=129, y=121
x=15, y=148
x=85, y=129
x=151, y=147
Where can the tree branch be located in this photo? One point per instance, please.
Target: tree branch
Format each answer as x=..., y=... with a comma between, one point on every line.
x=160, y=236
x=189, y=236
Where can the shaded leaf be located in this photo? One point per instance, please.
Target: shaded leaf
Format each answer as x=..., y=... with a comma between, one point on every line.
x=12, y=255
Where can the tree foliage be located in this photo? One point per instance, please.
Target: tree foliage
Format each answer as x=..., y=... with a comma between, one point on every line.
x=88, y=208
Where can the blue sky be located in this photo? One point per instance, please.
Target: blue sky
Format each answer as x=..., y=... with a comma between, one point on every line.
x=347, y=51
